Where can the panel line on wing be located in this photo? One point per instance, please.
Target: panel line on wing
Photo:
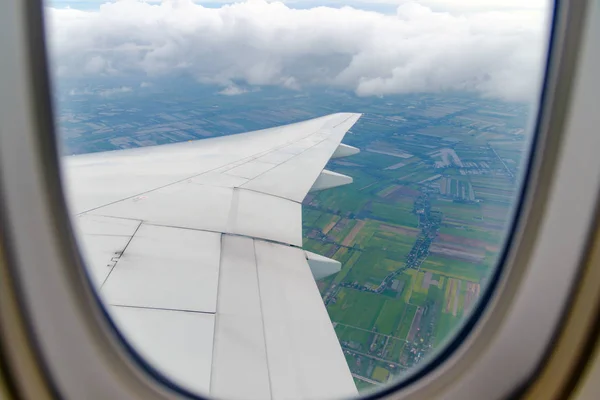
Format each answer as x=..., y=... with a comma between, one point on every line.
x=231, y=165
x=207, y=230
x=233, y=210
x=275, y=181
x=224, y=169
x=257, y=156
x=268, y=194
x=121, y=254
x=163, y=309
x=216, y=326
x=305, y=149
x=239, y=367
x=167, y=268
x=285, y=162
x=262, y=314
x=283, y=147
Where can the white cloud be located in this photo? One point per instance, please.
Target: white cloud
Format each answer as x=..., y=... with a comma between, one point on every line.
x=81, y=92
x=233, y=90
x=419, y=49
x=146, y=84
x=115, y=91
x=462, y=6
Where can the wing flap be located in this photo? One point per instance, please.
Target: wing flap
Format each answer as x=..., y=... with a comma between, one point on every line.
x=240, y=346
x=167, y=268
x=215, y=209
x=104, y=240
x=298, y=331
x=232, y=316
x=179, y=344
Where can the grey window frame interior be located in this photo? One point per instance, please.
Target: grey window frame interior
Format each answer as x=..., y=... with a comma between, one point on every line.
x=82, y=356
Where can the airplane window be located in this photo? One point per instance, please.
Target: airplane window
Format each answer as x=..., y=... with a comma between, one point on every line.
x=295, y=199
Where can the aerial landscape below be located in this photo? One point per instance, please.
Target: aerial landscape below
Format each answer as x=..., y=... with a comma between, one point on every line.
x=419, y=231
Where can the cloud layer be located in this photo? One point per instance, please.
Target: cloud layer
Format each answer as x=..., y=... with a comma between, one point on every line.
x=259, y=43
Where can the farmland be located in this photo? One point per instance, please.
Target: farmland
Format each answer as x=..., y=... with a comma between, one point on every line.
x=418, y=232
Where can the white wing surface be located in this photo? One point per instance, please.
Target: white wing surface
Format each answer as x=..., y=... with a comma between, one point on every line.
x=197, y=248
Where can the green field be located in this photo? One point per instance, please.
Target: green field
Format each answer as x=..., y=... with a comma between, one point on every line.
x=455, y=269
x=404, y=326
x=445, y=325
x=389, y=316
x=380, y=374
x=356, y=308
x=357, y=336
x=381, y=228
x=373, y=265
x=346, y=266
x=493, y=237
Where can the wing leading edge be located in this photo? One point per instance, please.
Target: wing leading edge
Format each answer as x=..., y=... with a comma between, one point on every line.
x=196, y=247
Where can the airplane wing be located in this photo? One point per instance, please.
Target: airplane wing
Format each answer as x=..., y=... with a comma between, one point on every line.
x=197, y=249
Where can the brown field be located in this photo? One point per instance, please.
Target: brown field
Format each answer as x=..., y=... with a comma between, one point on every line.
x=458, y=247
x=460, y=221
x=448, y=296
x=401, y=230
x=322, y=286
x=443, y=237
x=352, y=235
x=405, y=191
x=331, y=251
x=330, y=226
x=334, y=233
x=494, y=212
x=452, y=295
x=348, y=164
x=414, y=327
x=498, y=192
x=388, y=190
x=406, y=176
x=471, y=295
x=457, y=252
x=428, y=281
x=366, y=187
x=496, y=227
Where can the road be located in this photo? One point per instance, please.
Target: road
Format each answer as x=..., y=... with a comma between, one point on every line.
x=503, y=163
x=362, y=378
x=373, y=357
x=366, y=330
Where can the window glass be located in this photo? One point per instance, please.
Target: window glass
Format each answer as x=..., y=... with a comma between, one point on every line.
x=233, y=265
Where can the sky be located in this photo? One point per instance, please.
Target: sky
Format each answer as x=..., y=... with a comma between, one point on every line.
x=493, y=48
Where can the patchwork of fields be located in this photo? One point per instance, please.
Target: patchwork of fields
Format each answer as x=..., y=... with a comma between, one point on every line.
x=418, y=232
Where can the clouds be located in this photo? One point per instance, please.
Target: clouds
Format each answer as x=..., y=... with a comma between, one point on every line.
x=115, y=91
x=257, y=43
x=104, y=92
x=233, y=91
